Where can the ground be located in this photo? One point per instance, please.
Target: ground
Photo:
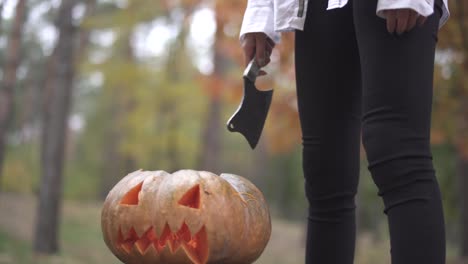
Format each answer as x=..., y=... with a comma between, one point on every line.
x=82, y=242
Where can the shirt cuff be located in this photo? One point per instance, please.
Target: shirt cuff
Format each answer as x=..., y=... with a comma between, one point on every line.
x=423, y=7
x=259, y=19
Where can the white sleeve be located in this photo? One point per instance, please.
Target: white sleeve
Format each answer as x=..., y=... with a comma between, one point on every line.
x=259, y=17
x=423, y=7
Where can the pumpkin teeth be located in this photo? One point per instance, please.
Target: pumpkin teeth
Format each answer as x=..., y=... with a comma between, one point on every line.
x=184, y=233
x=177, y=239
x=127, y=243
x=196, y=247
x=165, y=237
x=145, y=241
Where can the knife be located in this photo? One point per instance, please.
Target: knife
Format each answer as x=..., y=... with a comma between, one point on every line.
x=251, y=114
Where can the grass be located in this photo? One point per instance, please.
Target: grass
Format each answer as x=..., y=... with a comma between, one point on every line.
x=13, y=250
x=80, y=233
x=81, y=239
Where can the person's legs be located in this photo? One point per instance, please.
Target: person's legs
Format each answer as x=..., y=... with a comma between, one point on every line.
x=329, y=99
x=397, y=77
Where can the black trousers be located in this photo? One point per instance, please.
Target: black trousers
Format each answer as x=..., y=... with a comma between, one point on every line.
x=355, y=79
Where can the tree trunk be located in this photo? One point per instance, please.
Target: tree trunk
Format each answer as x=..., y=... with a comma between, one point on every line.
x=211, y=149
x=210, y=156
x=1, y=11
x=85, y=32
x=112, y=167
x=13, y=58
x=173, y=144
x=117, y=164
x=55, y=130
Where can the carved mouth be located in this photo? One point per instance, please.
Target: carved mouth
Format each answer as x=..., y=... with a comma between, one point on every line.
x=195, y=246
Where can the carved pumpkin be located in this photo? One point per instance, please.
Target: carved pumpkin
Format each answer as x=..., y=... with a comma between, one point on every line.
x=185, y=217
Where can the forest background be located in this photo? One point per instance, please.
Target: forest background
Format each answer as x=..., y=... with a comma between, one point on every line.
x=91, y=90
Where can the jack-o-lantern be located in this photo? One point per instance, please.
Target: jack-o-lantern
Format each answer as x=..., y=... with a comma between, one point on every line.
x=185, y=217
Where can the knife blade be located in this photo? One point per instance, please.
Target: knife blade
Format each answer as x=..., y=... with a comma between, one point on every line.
x=249, y=118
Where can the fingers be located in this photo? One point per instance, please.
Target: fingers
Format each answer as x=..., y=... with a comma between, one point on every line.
x=248, y=45
x=391, y=21
x=262, y=73
x=271, y=43
x=261, y=49
x=402, y=20
x=258, y=46
x=421, y=20
x=397, y=20
x=412, y=20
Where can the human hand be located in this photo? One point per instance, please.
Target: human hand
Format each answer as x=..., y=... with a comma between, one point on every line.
x=403, y=20
x=259, y=46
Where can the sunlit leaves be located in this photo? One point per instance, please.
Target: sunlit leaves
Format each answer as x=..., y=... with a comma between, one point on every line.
x=451, y=95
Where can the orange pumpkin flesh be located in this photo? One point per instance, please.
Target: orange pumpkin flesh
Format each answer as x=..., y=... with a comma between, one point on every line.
x=191, y=198
x=131, y=198
x=196, y=247
x=185, y=217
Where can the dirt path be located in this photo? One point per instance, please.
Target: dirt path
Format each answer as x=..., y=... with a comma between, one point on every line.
x=17, y=213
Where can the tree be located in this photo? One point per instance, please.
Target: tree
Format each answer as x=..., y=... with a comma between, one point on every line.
x=451, y=105
x=211, y=135
x=116, y=163
x=13, y=59
x=1, y=11
x=462, y=139
x=54, y=133
x=117, y=97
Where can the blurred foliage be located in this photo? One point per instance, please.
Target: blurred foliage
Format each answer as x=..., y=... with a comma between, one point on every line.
x=451, y=95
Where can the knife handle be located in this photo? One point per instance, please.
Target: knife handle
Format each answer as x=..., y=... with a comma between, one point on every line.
x=252, y=70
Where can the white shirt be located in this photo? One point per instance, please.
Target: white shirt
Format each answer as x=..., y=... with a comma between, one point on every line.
x=275, y=16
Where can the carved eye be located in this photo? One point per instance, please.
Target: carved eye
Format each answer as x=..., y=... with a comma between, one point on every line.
x=131, y=198
x=191, y=198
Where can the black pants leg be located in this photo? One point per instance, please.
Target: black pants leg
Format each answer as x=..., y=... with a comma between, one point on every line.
x=392, y=105
x=329, y=99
